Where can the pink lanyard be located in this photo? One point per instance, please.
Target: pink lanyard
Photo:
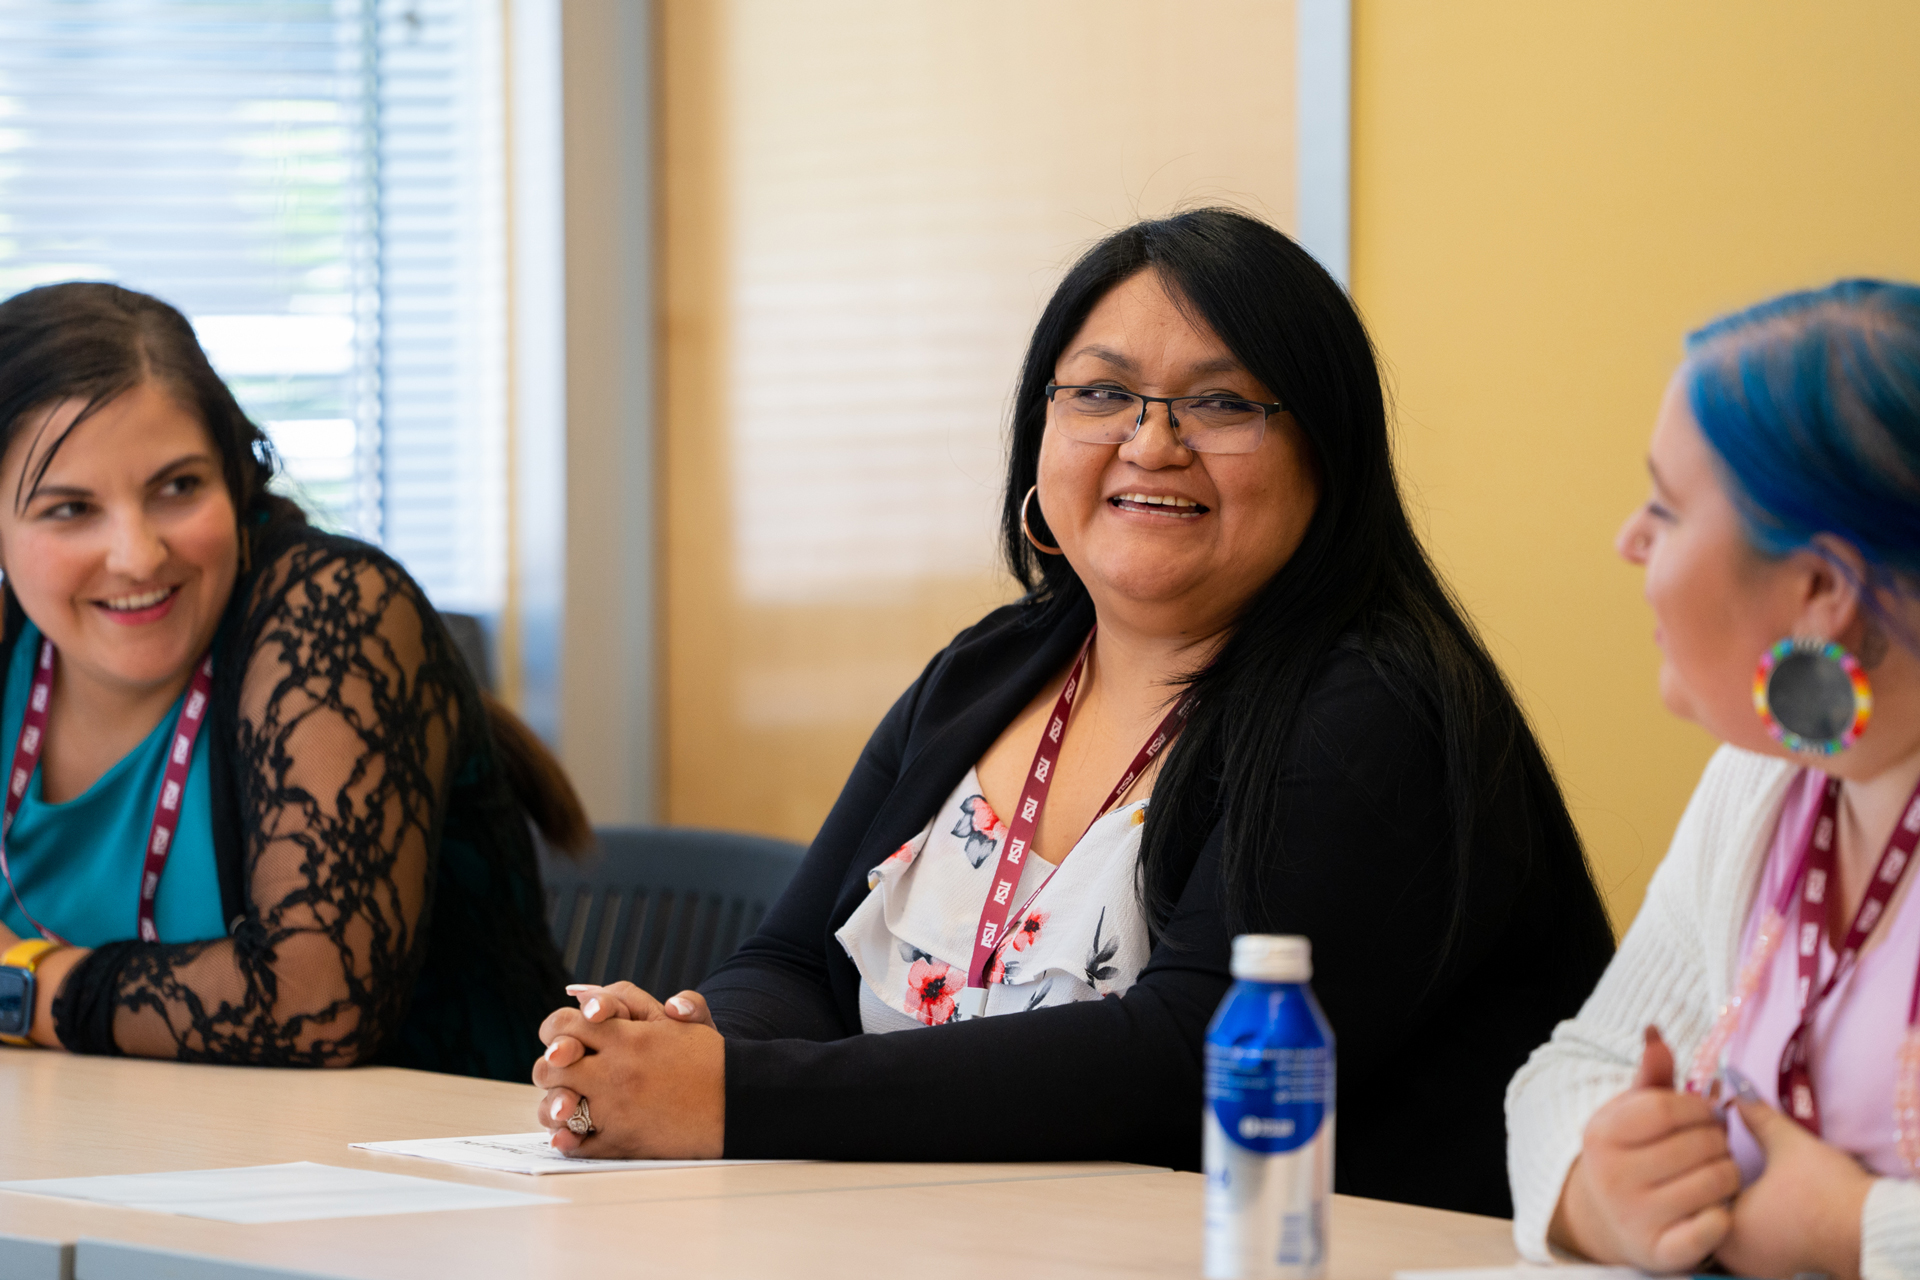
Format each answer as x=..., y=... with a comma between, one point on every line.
x=1814, y=877
x=173, y=784
x=999, y=908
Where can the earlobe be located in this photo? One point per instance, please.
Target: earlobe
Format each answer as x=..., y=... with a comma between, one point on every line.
x=1872, y=644
x=1836, y=585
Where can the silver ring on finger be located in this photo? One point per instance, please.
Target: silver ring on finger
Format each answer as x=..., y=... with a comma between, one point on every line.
x=580, y=1123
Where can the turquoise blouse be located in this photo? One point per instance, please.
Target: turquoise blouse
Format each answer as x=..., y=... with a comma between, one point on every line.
x=77, y=865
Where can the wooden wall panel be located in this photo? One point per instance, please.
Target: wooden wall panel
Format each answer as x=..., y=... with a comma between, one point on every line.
x=864, y=204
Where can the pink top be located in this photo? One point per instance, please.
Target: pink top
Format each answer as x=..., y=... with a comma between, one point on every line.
x=1858, y=1030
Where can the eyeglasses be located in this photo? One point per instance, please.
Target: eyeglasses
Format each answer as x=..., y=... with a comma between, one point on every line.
x=1204, y=424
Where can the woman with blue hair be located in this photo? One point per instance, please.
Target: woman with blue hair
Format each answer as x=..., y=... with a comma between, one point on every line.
x=1744, y=1083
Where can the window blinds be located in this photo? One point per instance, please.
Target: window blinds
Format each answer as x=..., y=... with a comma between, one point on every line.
x=315, y=183
x=443, y=350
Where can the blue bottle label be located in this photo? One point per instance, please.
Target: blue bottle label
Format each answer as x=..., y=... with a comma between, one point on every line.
x=1269, y=1098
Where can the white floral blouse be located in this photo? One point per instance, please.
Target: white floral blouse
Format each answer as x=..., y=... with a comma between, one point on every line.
x=1081, y=938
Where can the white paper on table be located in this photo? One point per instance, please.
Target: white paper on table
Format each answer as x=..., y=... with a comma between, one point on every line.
x=1528, y=1271
x=529, y=1153
x=297, y=1192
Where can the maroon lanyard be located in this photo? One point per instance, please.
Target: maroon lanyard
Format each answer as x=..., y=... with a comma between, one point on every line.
x=999, y=908
x=1815, y=880
x=166, y=811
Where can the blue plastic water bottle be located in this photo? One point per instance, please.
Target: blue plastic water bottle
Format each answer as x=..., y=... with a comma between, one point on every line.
x=1268, y=1120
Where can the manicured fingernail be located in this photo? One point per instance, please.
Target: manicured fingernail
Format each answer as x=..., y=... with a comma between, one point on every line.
x=575, y=988
x=681, y=1006
x=592, y=1009
x=551, y=1050
x=1742, y=1087
x=559, y=1106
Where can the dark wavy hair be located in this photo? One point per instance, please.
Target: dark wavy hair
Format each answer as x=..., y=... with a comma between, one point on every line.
x=1359, y=575
x=93, y=342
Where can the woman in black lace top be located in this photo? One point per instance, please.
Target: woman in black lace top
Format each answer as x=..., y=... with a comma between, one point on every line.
x=348, y=872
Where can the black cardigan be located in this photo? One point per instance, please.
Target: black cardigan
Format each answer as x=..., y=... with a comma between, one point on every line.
x=1424, y=1053
x=328, y=628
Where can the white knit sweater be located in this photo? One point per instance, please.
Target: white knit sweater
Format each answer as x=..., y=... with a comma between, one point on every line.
x=1674, y=970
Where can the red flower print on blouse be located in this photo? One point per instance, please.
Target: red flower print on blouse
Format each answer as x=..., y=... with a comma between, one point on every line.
x=984, y=819
x=931, y=989
x=1020, y=937
x=977, y=825
x=1027, y=932
x=901, y=857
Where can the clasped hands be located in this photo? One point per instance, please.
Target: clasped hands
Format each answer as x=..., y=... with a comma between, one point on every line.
x=653, y=1074
x=1656, y=1187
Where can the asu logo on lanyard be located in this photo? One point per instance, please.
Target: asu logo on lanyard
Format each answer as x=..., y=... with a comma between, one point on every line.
x=1797, y=1093
x=166, y=811
x=998, y=908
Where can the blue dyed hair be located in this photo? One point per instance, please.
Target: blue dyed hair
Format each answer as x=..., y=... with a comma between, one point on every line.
x=1812, y=402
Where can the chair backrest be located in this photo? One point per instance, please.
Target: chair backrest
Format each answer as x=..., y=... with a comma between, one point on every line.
x=470, y=638
x=662, y=906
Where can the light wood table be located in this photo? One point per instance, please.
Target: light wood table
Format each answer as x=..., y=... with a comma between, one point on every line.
x=80, y=1116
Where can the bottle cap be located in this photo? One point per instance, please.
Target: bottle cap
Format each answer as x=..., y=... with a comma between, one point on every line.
x=1272, y=957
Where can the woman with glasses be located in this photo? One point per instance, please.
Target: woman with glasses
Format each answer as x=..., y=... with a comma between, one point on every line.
x=1235, y=697
x=257, y=811
x=1744, y=1084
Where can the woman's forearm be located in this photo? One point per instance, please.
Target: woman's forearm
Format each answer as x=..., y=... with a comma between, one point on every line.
x=306, y=1001
x=1114, y=1079
x=47, y=979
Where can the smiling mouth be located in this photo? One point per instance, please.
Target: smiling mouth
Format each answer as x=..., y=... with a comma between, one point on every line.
x=139, y=602
x=1164, y=505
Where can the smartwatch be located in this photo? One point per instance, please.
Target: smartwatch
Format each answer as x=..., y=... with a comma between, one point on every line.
x=16, y=987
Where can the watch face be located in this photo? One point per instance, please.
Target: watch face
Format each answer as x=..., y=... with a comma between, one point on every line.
x=16, y=1001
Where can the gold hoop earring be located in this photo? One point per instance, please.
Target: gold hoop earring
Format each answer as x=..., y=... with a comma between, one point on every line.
x=1025, y=528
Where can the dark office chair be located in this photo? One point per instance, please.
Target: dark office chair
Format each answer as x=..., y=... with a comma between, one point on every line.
x=470, y=638
x=662, y=906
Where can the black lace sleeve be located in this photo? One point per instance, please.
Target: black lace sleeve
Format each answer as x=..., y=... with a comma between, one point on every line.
x=347, y=720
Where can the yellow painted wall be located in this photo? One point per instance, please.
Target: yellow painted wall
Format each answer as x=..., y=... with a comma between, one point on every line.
x=1546, y=197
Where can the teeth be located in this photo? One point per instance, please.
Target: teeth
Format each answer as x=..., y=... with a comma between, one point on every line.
x=1158, y=500
x=145, y=600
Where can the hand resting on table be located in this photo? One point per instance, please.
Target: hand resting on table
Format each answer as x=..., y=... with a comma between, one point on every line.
x=654, y=1075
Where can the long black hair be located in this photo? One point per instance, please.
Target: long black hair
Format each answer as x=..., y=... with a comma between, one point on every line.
x=1359, y=575
x=93, y=342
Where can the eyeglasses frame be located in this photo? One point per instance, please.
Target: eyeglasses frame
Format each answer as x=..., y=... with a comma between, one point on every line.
x=1267, y=409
